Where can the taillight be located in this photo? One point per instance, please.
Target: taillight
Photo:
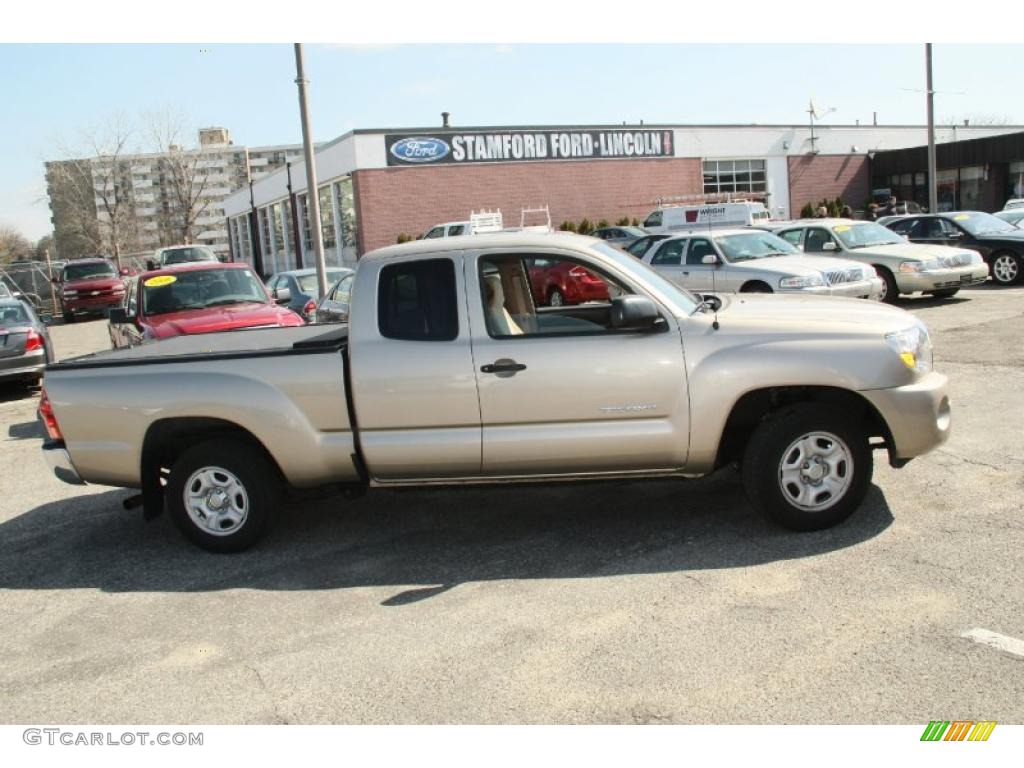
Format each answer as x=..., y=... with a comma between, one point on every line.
x=49, y=420
x=34, y=341
x=309, y=309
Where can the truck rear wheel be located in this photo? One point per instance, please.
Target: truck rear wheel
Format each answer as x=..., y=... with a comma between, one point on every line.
x=223, y=494
x=807, y=467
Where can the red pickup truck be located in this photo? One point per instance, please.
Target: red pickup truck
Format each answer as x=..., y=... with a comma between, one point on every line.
x=89, y=286
x=202, y=297
x=557, y=283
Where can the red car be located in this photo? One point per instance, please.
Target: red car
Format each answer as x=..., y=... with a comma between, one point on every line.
x=202, y=297
x=556, y=283
x=89, y=286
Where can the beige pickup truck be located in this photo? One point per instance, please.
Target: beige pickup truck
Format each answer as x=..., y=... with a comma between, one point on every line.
x=451, y=371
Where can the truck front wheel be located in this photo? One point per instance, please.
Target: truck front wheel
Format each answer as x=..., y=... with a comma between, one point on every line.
x=223, y=494
x=807, y=467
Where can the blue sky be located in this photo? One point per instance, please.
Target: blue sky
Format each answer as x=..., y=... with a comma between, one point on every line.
x=50, y=91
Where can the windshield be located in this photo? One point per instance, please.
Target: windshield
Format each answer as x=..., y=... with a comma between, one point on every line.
x=865, y=235
x=308, y=284
x=633, y=231
x=679, y=297
x=978, y=223
x=200, y=289
x=88, y=271
x=753, y=245
x=185, y=255
x=5, y=292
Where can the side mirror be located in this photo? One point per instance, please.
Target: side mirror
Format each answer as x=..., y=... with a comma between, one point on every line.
x=150, y=264
x=710, y=259
x=118, y=316
x=634, y=313
x=829, y=246
x=282, y=295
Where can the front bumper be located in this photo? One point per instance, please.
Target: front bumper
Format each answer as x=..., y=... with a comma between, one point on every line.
x=918, y=415
x=941, y=279
x=93, y=303
x=60, y=462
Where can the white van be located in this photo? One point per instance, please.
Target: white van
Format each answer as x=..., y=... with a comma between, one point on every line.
x=676, y=218
x=479, y=222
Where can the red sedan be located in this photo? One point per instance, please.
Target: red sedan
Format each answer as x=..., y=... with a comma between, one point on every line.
x=196, y=298
x=557, y=283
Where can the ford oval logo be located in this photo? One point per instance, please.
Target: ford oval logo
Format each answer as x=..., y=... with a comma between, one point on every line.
x=420, y=149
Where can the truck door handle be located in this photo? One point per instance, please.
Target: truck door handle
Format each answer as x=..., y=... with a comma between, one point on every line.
x=503, y=366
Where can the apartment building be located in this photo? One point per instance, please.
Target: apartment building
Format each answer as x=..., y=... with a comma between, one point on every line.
x=158, y=198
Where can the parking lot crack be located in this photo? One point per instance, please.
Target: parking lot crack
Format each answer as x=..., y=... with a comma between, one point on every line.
x=974, y=462
x=278, y=718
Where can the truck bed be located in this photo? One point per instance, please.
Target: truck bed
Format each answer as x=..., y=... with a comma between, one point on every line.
x=248, y=342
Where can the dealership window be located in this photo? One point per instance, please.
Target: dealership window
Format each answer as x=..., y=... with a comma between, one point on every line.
x=307, y=234
x=347, y=206
x=946, y=184
x=1015, y=182
x=731, y=176
x=327, y=217
x=972, y=179
x=264, y=225
x=277, y=245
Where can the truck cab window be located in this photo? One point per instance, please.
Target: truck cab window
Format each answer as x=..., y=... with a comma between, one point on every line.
x=416, y=301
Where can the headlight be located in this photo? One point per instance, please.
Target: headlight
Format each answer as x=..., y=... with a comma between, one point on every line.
x=70, y=292
x=808, y=281
x=914, y=347
x=868, y=273
x=921, y=266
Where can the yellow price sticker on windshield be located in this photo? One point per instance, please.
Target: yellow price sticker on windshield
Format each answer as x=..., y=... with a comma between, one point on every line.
x=841, y=228
x=961, y=217
x=160, y=280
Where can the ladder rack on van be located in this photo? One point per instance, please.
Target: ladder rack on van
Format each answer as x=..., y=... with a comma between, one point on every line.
x=721, y=197
x=546, y=227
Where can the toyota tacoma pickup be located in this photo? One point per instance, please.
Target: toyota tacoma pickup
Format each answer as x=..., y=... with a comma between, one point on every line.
x=451, y=371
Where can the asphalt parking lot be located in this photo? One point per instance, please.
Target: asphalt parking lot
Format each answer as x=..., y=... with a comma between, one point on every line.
x=640, y=602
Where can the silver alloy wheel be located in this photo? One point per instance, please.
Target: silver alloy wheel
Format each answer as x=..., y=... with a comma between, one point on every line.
x=557, y=300
x=815, y=471
x=216, y=501
x=885, y=290
x=1004, y=268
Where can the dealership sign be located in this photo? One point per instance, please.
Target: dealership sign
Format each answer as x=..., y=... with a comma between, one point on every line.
x=519, y=146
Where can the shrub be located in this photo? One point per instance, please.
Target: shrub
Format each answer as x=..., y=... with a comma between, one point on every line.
x=404, y=238
x=567, y=226
x=807, y=212
x=603, y=224
x=585, y=227
x=624, y=222
x=636, y=222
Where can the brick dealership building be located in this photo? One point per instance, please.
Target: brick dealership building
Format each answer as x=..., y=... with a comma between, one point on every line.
x=375, y=185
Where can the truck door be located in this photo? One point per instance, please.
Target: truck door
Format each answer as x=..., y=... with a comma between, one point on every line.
x=699, y=276
x=412, y=376
x=561, y=391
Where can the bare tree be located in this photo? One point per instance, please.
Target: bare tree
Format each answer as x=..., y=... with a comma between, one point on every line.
x=979, y=120
x=95, y=187
x=14, y=246
x=186, y=174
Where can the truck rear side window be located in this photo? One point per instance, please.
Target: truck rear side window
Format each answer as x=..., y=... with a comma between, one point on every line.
x=416, y=301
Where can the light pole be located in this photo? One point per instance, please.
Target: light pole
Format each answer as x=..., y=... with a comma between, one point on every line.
x=312, y=193
x=933, y=188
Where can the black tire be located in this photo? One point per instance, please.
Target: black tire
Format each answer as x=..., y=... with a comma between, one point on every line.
x=891, y=290
x=69, y=317
x=945, y=293
x=556, y=298
x=257, y=475
x=772, y=443
x=756, y=287
x=1005, y=268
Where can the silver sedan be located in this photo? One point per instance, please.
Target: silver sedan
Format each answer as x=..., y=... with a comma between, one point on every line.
x=25, y=346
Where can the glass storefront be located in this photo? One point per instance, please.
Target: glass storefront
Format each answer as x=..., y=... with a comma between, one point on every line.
x=947, y=189
x=972, y=179
x=1015, y=181
x=347, y=206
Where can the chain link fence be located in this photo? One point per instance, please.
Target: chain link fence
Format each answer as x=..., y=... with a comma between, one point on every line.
x=32, y=280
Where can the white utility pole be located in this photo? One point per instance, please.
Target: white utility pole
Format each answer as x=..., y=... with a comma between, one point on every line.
x=933, y=190
x=312, y=192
